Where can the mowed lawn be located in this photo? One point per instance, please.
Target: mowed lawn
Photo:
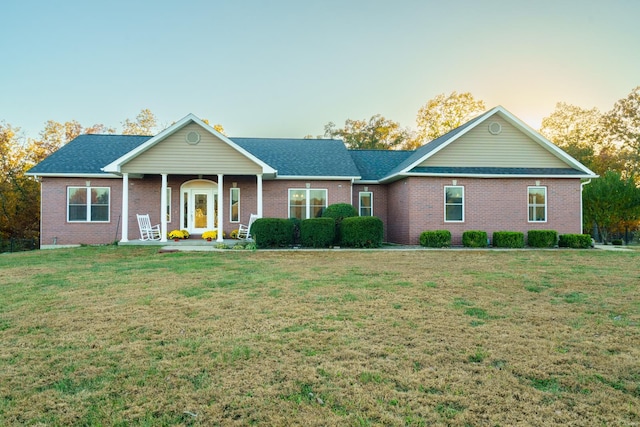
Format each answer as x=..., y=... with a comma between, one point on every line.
x=129, y=336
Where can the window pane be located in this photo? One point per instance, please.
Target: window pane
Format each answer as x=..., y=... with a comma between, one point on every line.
x=317, y=202
x=235, y=205
x=297, y=204
x=537, y=203
x=77, y=212
x=168, y=204
x=454, y=213
x=99, y=204
x=454, y=194
x=454, y=203
x=77, y=204
x=366, y=208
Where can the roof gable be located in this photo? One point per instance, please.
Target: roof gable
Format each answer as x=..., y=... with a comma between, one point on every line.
x=170, y=152
x=463, y=147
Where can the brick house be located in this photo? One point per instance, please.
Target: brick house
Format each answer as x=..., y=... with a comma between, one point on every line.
x=492, y=173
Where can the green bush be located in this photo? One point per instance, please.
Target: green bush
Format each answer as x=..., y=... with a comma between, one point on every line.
x=474, y=239
x=508, y=239
x=272, y=232
x=542, y=238
x=617, y=242
x=317, y=232
x=295, y=240
x=362, y=232
x=576, y=241
x=339, y=211
x=436, y=239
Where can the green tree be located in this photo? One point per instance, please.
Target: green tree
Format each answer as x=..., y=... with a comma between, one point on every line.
x=443, y=114
x=144, y=124
x=377, y=133
x=611, y=202
x=19, y=195
x=622, y=124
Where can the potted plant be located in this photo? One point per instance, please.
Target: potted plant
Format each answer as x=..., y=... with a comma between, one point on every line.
x=211, y=235
x=176, y=235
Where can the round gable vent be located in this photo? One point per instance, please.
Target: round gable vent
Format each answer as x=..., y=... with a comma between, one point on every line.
x=495, y=128
x=192, y=137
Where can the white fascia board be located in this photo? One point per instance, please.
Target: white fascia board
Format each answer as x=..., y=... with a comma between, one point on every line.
x=74, y=175
x=488, y=175
x=189, y=118
x=449, y=141
x=317, y=178
x=550, y=146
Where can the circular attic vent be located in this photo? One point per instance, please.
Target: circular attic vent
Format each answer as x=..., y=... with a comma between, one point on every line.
x=192, y=137
x=495, y=128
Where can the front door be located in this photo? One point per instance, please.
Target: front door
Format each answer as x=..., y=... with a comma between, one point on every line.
x=199, y=200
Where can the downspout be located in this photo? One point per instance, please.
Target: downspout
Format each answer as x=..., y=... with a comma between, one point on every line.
x=582, y=184
x=351, y=196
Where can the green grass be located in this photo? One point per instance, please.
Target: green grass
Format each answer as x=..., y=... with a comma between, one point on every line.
x=126, y=336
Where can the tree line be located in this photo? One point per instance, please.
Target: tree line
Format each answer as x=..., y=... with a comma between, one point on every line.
x=608, y=143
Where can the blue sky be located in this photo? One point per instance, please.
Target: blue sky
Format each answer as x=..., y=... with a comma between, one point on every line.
x=285, y=68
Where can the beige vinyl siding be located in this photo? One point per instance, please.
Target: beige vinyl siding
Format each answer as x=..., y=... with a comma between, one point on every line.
x=174, y=155
x=510, y=148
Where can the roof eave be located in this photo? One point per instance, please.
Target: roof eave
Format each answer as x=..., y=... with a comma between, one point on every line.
x=495, y=175
x=73, y=175
x=316, y=178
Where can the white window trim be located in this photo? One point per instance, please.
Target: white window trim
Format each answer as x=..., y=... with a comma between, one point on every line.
x=445, y=204
x=546, y=204
x=231, y=190
x=88, y=190
x=168, y=207
x=370, y=193
x=306, y=198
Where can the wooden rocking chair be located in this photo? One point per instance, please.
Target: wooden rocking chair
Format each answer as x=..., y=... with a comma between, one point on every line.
x=147, y=231
x=244, y=231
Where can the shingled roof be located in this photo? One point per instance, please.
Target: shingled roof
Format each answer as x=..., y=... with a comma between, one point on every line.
x=87, y=154
x=302, y=157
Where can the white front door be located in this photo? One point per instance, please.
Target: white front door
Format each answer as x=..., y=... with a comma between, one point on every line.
x=199, y=206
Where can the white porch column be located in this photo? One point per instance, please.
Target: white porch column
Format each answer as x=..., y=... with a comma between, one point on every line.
x=220, y=207
x=125, y=208
x=163, y=209
x=259, y=190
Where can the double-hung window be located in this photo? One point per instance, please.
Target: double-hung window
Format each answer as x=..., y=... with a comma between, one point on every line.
x=366, y=203
x=537, y=204
x=307, y=203
x=453, y=203
x=88, y=204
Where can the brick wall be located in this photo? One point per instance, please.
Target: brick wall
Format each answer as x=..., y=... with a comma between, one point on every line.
x=406, y=207
x=54, y=227
x=492, y=205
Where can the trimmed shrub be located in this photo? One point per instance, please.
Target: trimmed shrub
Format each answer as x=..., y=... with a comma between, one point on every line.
x=317, y=232
x=617, y=242
x=362, y=232
x=542, y=238
x=339, y=211
x=508, y=239
x=575, y=241
x=272, y=232
x=436, y=239
x=474, y=239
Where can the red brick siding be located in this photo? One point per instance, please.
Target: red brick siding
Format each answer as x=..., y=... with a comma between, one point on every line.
x=53, y=223
x=491, y=205
x=406, y=207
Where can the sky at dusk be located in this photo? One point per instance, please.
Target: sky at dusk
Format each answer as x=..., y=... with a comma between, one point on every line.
x=286, y=68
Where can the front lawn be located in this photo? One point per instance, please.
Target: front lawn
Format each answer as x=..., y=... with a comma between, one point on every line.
x=129, y=336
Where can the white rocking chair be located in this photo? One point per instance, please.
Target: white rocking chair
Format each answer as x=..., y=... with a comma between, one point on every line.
x=244, y=231
x=147, y=231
